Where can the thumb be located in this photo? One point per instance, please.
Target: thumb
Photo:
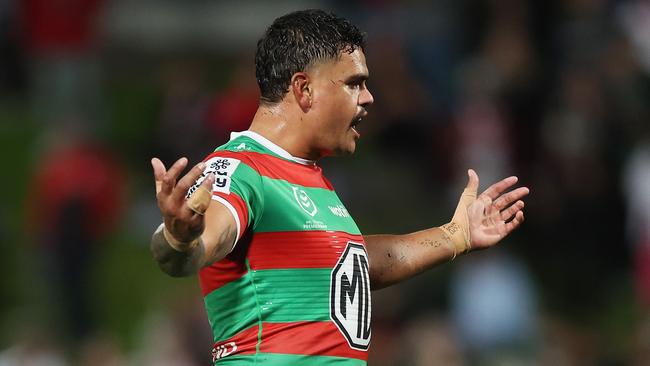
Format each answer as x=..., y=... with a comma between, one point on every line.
x=468, y=196
x=472, y=182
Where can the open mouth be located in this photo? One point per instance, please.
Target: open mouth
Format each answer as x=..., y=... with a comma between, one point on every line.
x=355, y=123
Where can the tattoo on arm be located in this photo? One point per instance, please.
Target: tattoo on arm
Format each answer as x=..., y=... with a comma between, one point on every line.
x=431, y=243
x=217, y=252
x=173, y=262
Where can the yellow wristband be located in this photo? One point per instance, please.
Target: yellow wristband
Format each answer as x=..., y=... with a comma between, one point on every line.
x=458, y=237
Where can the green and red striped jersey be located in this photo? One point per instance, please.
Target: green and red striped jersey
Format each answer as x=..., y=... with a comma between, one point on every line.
x=295, y=288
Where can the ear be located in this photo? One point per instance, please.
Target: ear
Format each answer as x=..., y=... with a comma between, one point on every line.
x=302, y=90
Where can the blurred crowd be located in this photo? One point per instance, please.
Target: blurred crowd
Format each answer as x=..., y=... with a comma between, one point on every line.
x=555, y=92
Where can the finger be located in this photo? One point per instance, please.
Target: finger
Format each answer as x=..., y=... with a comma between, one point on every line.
x=159, y=171
x=208, y=182
x=187, y=181
x=472, y=183
x=489, y=212
x=201, y=198
x=495, y=190
x=169, y=179
x=506, y=199
x=512, y=210
x=519, y=218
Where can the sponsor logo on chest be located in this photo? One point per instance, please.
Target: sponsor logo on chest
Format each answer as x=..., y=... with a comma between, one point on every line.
x=350, y=305
x=339, y=211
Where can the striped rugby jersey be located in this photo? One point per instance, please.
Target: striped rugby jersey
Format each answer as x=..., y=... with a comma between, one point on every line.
x=295, y=289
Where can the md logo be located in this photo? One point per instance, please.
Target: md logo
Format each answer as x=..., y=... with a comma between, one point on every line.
x=304, y=201
x=350, y=296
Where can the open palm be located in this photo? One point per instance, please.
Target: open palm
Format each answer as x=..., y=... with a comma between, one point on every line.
x=492, y=215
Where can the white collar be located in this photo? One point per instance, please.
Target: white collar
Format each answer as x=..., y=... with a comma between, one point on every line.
x=271, y=146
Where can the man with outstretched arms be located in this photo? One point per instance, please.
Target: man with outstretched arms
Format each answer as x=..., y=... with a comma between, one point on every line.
x=285, y=272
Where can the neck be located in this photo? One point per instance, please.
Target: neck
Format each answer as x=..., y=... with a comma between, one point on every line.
x=282, y=127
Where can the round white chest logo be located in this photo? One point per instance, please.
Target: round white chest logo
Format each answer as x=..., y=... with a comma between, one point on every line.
x=304, y=201
x=350, y=296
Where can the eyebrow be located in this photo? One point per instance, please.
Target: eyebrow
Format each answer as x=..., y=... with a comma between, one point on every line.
x=356, y=78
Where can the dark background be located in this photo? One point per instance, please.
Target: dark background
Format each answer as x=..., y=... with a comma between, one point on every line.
x=555, y=92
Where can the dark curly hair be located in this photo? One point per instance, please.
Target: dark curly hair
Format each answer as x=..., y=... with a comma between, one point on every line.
x=296, y=41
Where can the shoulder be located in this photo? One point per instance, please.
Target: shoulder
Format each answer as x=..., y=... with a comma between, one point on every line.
x=244, y=149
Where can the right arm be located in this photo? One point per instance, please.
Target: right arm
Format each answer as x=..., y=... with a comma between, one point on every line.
x=187, y=241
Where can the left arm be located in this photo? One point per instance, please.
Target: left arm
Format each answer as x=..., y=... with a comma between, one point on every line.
x=478, y=223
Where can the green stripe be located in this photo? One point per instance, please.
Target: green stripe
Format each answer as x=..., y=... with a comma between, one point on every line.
x=231, y=308
x=281, y=295
x=290, y=295
x=247, y=184
x=283, y=212
x=275, y=197
x=259, y=313
x=281, y=359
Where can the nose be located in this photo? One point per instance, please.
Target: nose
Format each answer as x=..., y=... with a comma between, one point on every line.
x=366, y=98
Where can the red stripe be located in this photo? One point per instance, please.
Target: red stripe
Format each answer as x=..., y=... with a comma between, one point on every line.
x=239, y=206
x=277, y=250
x=219, y=274
x=298, y=338
x=277, y=168
x=307, y=338
x=246, y=341
x=231, y=268
x=298, y=249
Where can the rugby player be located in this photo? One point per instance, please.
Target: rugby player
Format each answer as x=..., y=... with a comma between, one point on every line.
x=285, y=273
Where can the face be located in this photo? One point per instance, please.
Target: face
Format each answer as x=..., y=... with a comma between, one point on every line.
x=339, y=101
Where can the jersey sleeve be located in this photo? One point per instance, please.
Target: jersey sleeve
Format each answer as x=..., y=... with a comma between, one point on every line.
x=237, y=186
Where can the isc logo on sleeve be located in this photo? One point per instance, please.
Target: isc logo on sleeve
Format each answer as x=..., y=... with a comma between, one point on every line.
x=350, y=306
x=223, y=168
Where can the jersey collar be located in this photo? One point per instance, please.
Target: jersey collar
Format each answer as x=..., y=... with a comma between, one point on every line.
x=271, y=146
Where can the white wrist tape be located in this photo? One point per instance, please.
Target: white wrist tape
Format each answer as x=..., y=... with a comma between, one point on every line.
x=176, y=244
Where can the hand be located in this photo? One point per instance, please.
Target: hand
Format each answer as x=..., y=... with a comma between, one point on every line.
x=494, y=214
x=479, y=223
x=183, y=223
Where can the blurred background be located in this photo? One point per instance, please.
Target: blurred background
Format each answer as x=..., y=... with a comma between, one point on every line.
x=556, y=92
